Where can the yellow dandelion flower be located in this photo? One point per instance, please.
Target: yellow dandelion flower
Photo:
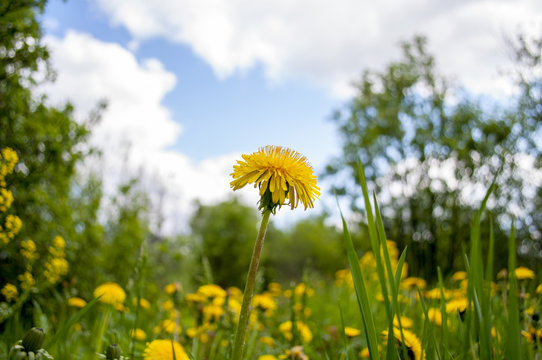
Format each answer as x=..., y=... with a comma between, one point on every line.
x=172, y=288
x=111, y=293
x=411, y=283
x=194, y=298
x=457, y=305
x=275, y=289
x=523, y=273
x=10, y=292
x=163, y=350
x=235, y=292
x=405, y=322
x=286, y=329
x=267, y=340
x=459, y=275
x=77, y=302
x=435, y=316
x=211, y=291
x=351, y=332
x=281, y=174
x=364, y=353
x=264, y=302
x=143, y=303
x=412, y=343
x=138, y=334
x=267, y=357
x=169, y=326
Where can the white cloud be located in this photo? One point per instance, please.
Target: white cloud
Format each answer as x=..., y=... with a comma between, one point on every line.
x=329, y=43
x=136, y=130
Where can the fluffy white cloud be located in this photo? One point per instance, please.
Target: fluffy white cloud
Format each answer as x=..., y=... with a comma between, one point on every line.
x=136, y=130
x=329, y=43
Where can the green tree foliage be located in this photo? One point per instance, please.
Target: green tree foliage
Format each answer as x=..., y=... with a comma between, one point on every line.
x=426, y=148
x=309, y=246
x=226, y=234
x=47, y=139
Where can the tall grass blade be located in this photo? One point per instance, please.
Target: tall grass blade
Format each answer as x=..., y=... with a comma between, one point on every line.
x=513, y=345
x=62, y=332
x=361, y=294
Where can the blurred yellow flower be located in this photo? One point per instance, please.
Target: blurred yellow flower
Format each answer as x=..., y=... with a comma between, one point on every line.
x=411, y=283
x=27, y=280
x=143, y=303
x=138, y=334
x=163, y=350
x=10, y=292
x=405, y=322
x=111, y=293
x=412, y=343
x=77, y=302
x=267, y=340
x=170, y=289
x=264, y=302
x=351, y=332
x=267, y=357
x=280, y=174
x=28, y=250
x=211, y=291
x=435, y=316
x=523, y=273
x=286, y=329
x=457, y=305
x=459, y=275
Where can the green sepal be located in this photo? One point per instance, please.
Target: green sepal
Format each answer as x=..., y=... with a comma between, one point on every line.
x=33, y=339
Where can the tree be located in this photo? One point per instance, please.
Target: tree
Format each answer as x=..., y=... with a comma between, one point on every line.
x=226, y=234
x=429, y=151
x=47, y=139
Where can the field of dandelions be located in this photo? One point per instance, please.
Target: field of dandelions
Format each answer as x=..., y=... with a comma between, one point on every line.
x=373, y=309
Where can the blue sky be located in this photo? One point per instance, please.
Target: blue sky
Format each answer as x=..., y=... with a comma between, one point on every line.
x=239, y=113
x=191, y=85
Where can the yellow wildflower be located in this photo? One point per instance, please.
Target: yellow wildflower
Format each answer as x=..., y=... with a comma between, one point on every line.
x=211, y=291
x=351, y=332
x=435, y=316
x=6, y=198
x=143, y=303
x=55, y=268
x=286, y=329
x=170, y=289
x=267, y=357
x=138, y=334
x=457, y=305
x=111, y=293
x=459, y=275
x=267, y=340
x=405, y=322
x=77, y=302
x=169, y=326
x=264, y=302
x=163, y=350
x=10, y=292
x=411, y=283
x=27, y=280
x=280, y=174
x=412, y=343
x=523, y=273
x=28, y=250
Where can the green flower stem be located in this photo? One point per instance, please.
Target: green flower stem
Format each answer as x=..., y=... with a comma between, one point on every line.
x=240, y=333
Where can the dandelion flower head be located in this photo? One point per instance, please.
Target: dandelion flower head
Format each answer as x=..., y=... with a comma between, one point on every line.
x=163, y=350
x=111, y=293
x=281, y=174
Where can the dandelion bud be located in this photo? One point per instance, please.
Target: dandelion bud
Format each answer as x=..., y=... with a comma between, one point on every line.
x=113, y=352
x=33, y=340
